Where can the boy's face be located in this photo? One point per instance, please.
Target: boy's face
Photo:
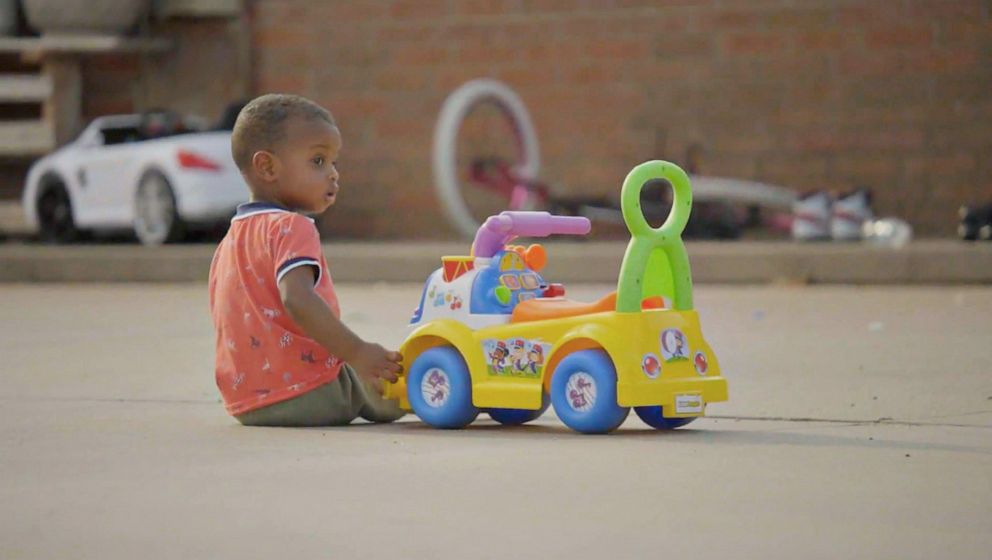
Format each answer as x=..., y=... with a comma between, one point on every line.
x=306, y=170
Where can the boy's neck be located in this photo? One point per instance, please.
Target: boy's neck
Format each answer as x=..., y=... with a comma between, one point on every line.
x=257, y=199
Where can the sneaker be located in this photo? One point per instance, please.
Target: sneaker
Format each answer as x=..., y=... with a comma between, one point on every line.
x=811, y=217
x=850, y=213
x=975, y=222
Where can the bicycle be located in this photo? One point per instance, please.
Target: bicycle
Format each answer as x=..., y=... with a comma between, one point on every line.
x=486, y=158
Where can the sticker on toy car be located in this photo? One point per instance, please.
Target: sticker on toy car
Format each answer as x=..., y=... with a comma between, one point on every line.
x=674, y=345
x=689, y=404
x=581, y=391
x=444, y=298
x=435, y=388
x=515, y=357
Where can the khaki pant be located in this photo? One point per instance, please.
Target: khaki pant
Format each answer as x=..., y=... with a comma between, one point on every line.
x=333, y=404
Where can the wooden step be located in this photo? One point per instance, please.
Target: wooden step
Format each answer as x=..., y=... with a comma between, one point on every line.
x=24, y=88
x=25, y=138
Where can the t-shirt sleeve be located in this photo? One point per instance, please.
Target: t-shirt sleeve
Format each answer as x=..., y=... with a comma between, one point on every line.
x=296, y=244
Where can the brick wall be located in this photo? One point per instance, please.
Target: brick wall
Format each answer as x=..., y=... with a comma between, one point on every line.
x=200, y=75
x=894, y=94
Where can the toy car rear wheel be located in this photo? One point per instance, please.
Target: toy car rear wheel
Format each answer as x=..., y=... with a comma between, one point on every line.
x=156, y=216
x=439, y=389
x=654, y=416
x=55, y=219
x=517, y=416
x=584, y=393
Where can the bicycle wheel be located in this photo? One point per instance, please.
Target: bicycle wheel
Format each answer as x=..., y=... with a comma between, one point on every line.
x=486, y=156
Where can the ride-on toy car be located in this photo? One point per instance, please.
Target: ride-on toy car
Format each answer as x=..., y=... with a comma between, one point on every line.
x=490, y=334
x=156, y=174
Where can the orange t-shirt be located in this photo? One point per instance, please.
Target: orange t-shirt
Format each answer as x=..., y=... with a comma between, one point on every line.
x=263, y=357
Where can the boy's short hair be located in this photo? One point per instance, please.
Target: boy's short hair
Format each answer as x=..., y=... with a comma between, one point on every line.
x=261, y=125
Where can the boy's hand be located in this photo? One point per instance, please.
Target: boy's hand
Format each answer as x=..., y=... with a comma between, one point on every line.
x=376, y=364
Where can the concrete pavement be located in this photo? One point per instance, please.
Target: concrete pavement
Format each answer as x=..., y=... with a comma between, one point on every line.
x=859, y=426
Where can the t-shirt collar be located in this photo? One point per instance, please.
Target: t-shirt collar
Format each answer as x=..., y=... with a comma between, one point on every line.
x=254, y=208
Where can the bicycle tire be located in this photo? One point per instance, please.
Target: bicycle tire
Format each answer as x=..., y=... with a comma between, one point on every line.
x=453, y=112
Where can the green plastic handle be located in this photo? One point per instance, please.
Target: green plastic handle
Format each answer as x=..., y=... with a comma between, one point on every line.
x=643, y=271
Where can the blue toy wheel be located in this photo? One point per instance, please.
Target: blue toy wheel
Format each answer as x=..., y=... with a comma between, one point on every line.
x=517, y=416
x=653, y=416
x=584, y=393
x=439, y=389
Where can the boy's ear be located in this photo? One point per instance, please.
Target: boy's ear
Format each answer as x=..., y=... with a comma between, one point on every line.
x=265, y=165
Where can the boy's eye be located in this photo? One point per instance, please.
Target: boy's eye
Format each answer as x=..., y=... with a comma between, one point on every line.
x=319, y=161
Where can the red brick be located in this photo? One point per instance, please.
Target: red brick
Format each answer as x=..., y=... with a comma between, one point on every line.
x=871, y=64
x=753, y=43
x=823, y=40
x=404, y=34
x=731, y=20
x=280, y=12
x=799, y=20
x=469, y=32
x=617, y=49
x=947, y=9
x=418, y=9
x=950, y=61
x=280, y=37
x=484, y=53
x=335, y=13
x=522, y=32
x=526, y=75
x=538, y=52
x=792, y=165
x=421, y=55
x=587, y=28
x=860, y=14
x=655, y=4
x=483, y=7
x=684, y=44
x=545, y=6
x=855, y=168
x=899, y=37
x=281, y=83
x=964, y=33
x=938, y=165
x=402, y=79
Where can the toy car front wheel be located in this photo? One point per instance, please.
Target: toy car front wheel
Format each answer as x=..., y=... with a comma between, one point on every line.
x=439, y=389
x=584, y=393
x=517, y=416
x=156, y=217
x=654, y=416
x=55, y=215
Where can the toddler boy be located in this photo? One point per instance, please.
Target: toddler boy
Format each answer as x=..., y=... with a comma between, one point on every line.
x=284, y=358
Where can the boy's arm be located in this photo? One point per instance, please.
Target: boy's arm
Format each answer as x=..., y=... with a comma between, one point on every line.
x=312, y=314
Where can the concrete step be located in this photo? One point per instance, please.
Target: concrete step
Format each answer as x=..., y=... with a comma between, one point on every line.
x=921, y=262
x=12, y=220
x=26, y=138
x=25, y=88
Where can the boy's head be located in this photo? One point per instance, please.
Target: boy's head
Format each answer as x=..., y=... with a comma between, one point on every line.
x=286, y=146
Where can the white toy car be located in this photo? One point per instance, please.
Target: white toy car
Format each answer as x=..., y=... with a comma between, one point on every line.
x=152, y=173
